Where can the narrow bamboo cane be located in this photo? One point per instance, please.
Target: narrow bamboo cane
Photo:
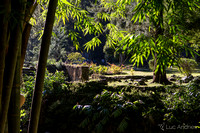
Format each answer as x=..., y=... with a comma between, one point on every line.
x=37, y=96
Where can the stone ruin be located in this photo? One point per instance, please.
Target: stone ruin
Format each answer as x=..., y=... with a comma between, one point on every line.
x=73, y=72
x=77, y=72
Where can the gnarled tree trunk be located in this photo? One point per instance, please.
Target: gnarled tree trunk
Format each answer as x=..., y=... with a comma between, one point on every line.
x=160, y=75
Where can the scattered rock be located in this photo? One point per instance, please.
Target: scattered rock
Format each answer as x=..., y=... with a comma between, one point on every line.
x=180, y=81
x=136, y=84
x=95, y=76
x=103, y=81
x=130, y=83
x=196, y=80
x=172, y=79
x=173, y=76
x=142, y=81
x=131, y=80
x=187, y=79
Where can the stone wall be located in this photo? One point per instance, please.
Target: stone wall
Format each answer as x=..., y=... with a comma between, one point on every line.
x=77, y=72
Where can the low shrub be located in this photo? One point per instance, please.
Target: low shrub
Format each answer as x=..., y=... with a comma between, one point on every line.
x=50, y=82
x=183, y=105
x=57, y=107
x=114, y=69
x=94, y=69
x=136, y=110
x=75, y=58
x=101, y=69
x=51, y=61
x=187, y=65
x=112, y=112
x=151, y=64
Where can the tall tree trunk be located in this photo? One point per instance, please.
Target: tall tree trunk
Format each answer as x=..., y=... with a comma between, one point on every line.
x=11, y=58
x=5, y=6
x=46, y=40
x=14, y=108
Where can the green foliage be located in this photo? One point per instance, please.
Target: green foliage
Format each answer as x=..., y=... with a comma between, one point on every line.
x=119, y=111
x=151, y=64
x=23, y=117
x=57, y=106
x=92, y=44
x=50, y=78
x=51, y=61
x=27, y=91
x=114, y=69
x=107, y=110
x=187, y=65
x=109, y=53
x=124, y=110
x=50, y=85
x=101, y=69
x=73, y=22
x=94, y=69
x=75, y=58
x=183, y=104
x=132, y=71
x=165, y=37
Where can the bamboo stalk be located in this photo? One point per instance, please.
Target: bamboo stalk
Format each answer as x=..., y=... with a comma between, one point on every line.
x=3, y=42
x=25, y=37
x=11, y=59
x=46, y=40
x=14, y=108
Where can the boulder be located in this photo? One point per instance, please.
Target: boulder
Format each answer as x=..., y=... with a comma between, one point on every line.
x=174, y=78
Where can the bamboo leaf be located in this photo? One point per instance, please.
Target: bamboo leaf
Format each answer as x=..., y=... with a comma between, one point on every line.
x=123, y=125
x=66, y=2
x=117, y=113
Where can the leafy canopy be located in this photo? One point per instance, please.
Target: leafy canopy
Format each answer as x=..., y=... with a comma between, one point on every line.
x=166, y=36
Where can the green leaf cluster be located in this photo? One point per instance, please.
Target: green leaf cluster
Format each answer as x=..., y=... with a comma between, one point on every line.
x=75, y=58
x=186, y=65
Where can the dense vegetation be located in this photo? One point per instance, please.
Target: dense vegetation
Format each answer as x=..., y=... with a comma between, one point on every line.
x=95, y=107
x=118, y=31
